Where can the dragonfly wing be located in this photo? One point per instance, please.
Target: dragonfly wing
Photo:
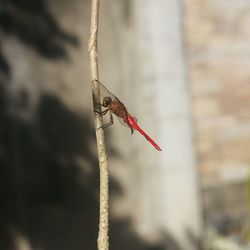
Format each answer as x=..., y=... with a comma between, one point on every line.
x=105, y=92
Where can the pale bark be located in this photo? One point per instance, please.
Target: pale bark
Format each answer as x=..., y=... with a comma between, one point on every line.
x=103, y=243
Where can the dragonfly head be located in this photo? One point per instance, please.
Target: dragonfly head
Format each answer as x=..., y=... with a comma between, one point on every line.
x=106, y=101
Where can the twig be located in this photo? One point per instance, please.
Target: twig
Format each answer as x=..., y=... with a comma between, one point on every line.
x=103, y=243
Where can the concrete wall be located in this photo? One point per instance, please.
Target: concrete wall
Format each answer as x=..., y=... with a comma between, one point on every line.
x=154, y=195
x=218, y=43
x=171, y=179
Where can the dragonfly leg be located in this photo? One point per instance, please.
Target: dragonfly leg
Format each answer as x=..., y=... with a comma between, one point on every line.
x=104, y=112
x=99, y=105
x=111, y=122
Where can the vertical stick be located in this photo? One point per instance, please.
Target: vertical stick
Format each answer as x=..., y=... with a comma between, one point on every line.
x=103, y=243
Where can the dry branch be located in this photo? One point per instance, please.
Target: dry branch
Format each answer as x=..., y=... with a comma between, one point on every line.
x=103, y=243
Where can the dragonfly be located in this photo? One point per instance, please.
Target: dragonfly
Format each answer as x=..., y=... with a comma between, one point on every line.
x=114, y=106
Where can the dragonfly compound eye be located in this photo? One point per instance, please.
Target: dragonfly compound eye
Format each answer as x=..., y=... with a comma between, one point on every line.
x=106, y=101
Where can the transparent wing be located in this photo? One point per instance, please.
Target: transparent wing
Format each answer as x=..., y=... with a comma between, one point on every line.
x=106, y=92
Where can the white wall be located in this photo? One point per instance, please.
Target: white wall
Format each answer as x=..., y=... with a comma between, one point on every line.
x=168, y=198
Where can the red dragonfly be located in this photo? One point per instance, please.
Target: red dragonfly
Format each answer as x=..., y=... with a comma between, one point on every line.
x=115, y=106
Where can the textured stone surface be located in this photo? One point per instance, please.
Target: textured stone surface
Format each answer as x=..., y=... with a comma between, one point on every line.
x=218, y=40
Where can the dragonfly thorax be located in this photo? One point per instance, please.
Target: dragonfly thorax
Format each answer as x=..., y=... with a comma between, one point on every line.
x=106, y=101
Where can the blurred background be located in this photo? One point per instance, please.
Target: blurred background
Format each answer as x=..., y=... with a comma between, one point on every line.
x=182, y=69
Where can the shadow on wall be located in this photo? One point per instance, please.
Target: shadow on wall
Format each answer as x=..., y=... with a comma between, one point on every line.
x=32, y=23
x=49, y=173
x=46, y=197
